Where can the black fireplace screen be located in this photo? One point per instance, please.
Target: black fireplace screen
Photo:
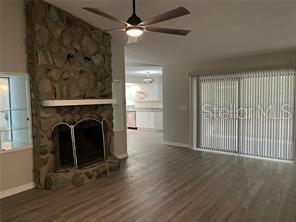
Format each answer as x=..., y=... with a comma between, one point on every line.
x=78, y=145
x=62, y=143
x=89, y=142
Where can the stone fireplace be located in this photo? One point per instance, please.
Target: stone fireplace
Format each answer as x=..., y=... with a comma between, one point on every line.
x=69, y=59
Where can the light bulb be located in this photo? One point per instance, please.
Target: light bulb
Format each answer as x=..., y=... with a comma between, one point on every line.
x=134, y=31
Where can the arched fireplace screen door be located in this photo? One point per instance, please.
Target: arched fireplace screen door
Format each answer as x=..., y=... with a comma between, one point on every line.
x=250, y=113
x=78, y=145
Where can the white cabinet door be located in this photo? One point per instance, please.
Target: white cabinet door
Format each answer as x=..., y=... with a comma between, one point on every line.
x=140, y=119
x=145, y=119
x=149, y=120
x=158, y=120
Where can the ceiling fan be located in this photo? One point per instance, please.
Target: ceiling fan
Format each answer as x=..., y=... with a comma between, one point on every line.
x=134, y=26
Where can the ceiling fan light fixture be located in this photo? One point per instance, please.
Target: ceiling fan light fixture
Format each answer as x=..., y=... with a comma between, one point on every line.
x=134, y=31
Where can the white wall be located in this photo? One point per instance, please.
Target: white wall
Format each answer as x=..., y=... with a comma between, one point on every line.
x=16, y=167
x=12, y=40
x=118, y=73
x=176, y=92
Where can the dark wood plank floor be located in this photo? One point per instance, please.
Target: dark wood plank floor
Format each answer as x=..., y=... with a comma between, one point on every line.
x=163, y=183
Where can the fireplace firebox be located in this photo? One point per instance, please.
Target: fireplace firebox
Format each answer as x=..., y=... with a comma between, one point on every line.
x=78, y=145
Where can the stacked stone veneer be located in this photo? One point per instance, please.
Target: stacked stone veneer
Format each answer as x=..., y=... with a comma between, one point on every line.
x=67, y=59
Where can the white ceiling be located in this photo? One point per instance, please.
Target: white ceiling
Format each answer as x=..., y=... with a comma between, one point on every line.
x=143, y=70
x=220, y=28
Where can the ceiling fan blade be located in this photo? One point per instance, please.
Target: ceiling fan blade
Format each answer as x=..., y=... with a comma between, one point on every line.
x=103, y=14
x=132, y=39
x=109, y=30
x=177, y=12
x=168, y=30
x=104, y=30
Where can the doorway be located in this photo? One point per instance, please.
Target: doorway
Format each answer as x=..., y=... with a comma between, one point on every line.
x=144, y=103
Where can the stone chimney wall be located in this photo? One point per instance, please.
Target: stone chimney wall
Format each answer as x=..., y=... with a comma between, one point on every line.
x=67, y=59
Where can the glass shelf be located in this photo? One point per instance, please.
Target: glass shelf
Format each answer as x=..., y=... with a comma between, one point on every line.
x=12, y=109
x=12, y=129
x=15, y=125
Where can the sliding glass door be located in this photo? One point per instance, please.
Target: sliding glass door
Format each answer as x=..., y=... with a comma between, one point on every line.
x=248, y=113
x=218, y=123
x=267, y=129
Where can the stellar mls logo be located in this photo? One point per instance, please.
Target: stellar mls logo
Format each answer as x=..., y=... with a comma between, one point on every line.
x=272, y=111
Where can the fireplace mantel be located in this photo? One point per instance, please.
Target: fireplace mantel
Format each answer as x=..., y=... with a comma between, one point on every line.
x=77, y=102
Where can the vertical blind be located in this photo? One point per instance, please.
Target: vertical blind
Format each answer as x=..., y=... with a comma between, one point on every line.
x=219, y=130
x=250, y=113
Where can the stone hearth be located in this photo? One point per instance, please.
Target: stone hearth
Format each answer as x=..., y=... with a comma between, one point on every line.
x=78, y=177
x=67, y=59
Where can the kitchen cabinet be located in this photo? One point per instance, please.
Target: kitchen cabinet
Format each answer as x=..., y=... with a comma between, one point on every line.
x=144, y=119
x=149, y=119
x=158, y=120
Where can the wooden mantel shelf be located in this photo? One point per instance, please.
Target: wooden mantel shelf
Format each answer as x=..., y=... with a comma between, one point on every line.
x=77, y=102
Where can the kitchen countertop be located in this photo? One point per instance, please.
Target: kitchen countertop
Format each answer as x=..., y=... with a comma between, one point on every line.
x=134, y=109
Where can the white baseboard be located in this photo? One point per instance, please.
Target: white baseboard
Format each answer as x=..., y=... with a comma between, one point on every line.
x=177, y=144
x=243, y=155
x=15, y=190
x=122, y=156
x=150, y=129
